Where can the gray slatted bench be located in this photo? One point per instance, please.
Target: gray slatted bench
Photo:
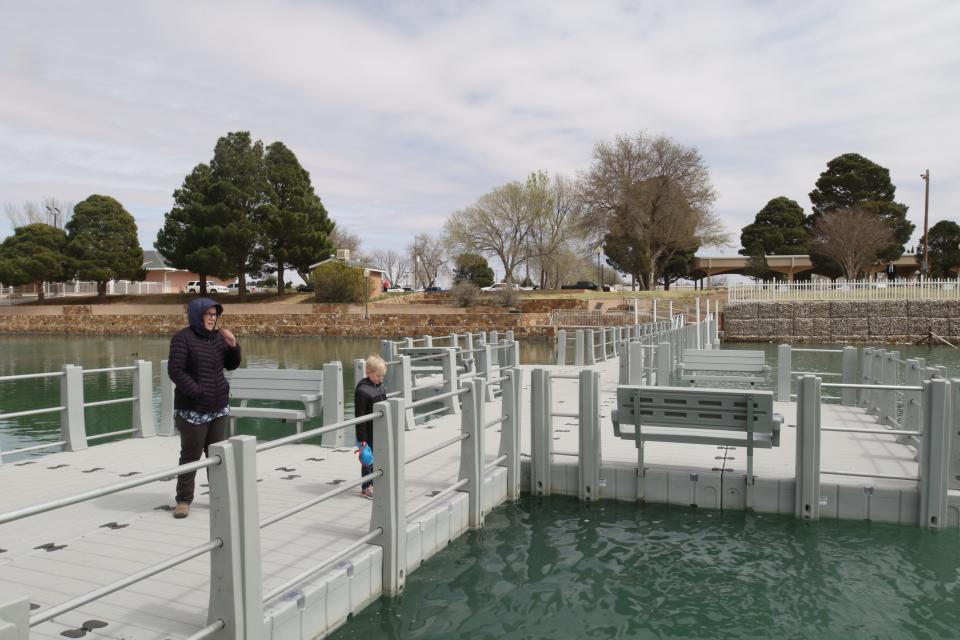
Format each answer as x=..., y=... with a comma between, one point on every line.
x=723, y=360
x=292, y=385
x=728, y=417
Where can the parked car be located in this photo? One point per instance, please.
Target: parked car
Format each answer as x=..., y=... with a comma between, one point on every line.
x=305, y=288
x=194, y=287
x=500, y=286
x=395, y=290
x=234, y=287
x=586, y=284
x=433, y=289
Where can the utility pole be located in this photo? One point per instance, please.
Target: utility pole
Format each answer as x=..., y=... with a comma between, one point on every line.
x=926, y=211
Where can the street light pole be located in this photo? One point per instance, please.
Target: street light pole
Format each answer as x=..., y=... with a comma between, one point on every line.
x=366, y=293
x=926, y=211
x=599, y=272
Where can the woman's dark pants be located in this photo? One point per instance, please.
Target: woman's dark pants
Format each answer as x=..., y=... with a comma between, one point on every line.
x=195, y=439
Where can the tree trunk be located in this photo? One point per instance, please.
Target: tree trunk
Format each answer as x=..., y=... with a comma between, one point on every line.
x=666, y=284
x=39, y=286
x=203, y=283
x=280, y=270
x=102, y=291
x=241, y=286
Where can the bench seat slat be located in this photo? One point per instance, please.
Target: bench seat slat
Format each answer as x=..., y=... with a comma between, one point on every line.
x=258, y=373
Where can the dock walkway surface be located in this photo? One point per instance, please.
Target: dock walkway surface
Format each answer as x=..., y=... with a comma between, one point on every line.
x=61, y=554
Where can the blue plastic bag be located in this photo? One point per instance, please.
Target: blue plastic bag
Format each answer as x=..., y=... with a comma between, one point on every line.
x=365, y=453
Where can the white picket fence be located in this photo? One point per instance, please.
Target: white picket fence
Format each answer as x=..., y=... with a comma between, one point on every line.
x=9, y=295
x=845, y=290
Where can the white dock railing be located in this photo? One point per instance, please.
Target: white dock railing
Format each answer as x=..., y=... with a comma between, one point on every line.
x=237, y=598
x=844, y=290
x=73, y=403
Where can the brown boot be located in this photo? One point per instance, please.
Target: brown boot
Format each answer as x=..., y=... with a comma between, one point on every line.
x=182, y=510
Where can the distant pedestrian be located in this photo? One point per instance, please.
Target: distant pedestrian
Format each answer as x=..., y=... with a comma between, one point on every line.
x=201, y=402
x=369, y=391
x=891, y=271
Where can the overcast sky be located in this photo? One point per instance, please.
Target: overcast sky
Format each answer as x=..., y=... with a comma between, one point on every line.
x=404, y=112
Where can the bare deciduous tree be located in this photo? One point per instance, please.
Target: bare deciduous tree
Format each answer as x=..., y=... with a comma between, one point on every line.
x=395, y=265
x=50, y=211
x=343, y=239
x=852, y=237
x=656, y=188
x=430, y=257
x=555, y=227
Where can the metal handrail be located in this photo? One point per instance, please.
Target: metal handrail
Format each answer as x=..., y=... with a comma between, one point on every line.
x=886, y=432
x=28, y=376
x=312, y=433
x=102, y=403
x=326, y=563
x=870, y=475
x=437, y=447
x=105, y=369
x=495, y=422
x=31, y=412
x=816, y=350
x=100, y=436
x=439, y=396
x=58, y=443
x=875, y=387
x=133, y=578
x=209, y=630
x=303, y=506
x=18, y=514
x=433, y=500
x=495, y=462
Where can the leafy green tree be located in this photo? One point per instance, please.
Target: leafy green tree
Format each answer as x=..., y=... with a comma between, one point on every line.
x=33, y=255
x=778, y=229
x=626, y=252
x=294, y=221
x=674, y=266
x=472, y=268
x=336, y=281
x=757, y=266
x=944, y=241
x=102, y=243
x=853, y=182
x=192, y=234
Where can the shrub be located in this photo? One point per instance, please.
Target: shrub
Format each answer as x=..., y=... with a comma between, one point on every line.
x=335, y=281
x=506, y=297
x=466, y=294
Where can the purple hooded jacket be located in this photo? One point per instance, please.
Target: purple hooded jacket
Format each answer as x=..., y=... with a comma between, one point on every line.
x=197, y=360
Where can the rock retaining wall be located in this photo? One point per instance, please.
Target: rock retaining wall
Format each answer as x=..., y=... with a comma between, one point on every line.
x=85, y=319
x=896, y=321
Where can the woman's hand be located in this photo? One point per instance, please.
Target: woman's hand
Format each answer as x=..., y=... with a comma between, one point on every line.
x=228, y=337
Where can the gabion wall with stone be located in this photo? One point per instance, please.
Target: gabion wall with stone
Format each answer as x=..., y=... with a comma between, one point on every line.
x=893, y=321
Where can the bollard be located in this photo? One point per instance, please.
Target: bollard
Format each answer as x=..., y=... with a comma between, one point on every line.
x=73, y=428
x=332, y=406
x=541, y=436
x=143, y=403
x=590, y=348
x=589, y=414
x=226, y=568
x=165, y=428
x=510, y=430
x=389, y=511
x=244, y=451
x=784, y=365
x=935, y=453
x=561, y=347
x=664, y=365
x=579, y=349
x=849, y=396
x=808, y=449
x=471, y=450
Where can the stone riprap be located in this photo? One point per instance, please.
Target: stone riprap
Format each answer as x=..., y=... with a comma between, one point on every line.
x=896, y=321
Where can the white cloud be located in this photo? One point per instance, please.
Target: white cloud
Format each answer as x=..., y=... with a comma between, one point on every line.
x=404, y=112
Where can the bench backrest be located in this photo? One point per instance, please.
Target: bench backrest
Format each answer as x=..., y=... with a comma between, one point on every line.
x=691, y=407
x=723, y=360
x=274, y=384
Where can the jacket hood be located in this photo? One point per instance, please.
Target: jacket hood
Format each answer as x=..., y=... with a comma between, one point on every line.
x=195, y=311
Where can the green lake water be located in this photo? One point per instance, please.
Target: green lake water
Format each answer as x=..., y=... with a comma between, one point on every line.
x=555, y=568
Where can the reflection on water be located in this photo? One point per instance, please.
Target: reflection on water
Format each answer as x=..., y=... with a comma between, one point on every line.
x=558, y=568
x=38, y=354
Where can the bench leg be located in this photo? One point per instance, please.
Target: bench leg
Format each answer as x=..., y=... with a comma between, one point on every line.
x=299, y=426
x=641, y=472
x=233, y=425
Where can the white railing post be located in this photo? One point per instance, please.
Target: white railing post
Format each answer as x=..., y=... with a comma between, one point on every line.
x=590, y=455
x=784, y=365
x=655, y=310
x=226, y=570
x=471, y=450
x=332, y=406
x=389, y=511
x=510, y=430
x=849, y=396
x=579, y=348
x=486, y=370
x=450, y=380
x=166, y=402
x=541, y=436
x=590, y=348
x=664, y=365
x=561, y=347
x=73, y=427
x=143, y=424
x=14, y=616
x=935, y=453
x=808, y=449
x=360, y=371
x=251, y=588
x=404, y=374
